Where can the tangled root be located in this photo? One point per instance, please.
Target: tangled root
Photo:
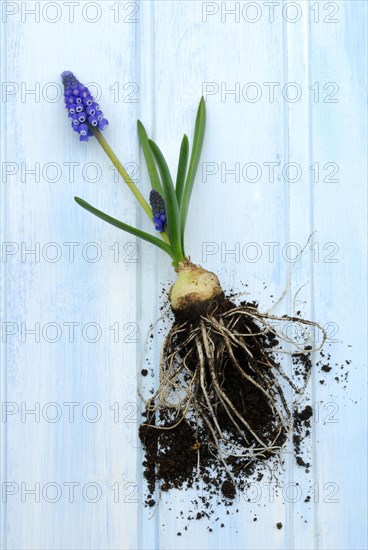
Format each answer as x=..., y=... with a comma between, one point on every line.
x=220, y=375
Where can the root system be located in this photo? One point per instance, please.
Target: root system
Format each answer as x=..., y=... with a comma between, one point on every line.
x=224, y=403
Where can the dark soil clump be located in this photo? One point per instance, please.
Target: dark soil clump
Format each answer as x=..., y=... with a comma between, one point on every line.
x=228, y=489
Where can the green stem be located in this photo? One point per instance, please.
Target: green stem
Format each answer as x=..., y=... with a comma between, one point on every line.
x=124, y=174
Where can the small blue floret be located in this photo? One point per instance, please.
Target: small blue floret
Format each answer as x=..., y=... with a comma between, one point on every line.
x=159, y=224
x=83, y=130
x=82, y=108
x=102, y=124
x=158, y=210
x=92, y=120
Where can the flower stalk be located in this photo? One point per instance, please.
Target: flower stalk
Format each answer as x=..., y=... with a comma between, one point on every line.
x=123, y=173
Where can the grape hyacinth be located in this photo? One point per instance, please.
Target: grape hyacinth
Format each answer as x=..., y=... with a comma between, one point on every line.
x=82, y=108
x=158, y=210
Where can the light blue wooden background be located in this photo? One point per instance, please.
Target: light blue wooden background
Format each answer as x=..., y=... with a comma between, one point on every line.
x=152, y=60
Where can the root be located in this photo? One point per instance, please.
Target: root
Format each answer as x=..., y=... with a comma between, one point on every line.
x=212, y=367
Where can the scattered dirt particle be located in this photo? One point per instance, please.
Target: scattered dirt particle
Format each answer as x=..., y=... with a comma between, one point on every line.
x=326, y=368
x=228, y=489
x=306, y=413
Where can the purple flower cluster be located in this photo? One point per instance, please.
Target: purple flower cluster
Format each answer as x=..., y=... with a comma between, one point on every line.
x=158, y=210
x=82, y=109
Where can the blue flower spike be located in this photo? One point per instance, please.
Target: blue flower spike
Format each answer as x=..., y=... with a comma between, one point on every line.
x=158, y=210
x=82, y=108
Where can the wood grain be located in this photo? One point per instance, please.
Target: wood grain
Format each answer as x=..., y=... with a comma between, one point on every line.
x=156, y=69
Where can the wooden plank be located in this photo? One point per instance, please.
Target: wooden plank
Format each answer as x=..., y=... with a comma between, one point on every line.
x=300, y=516
x=339, y=135
x=216, y=56
x=152, y=270
x=101, y=293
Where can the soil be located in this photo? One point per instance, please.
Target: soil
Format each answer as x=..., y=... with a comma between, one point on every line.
x=180, y=452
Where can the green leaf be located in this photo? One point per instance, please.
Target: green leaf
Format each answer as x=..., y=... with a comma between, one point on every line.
x=150, y=162
x=125, y=227
x=193, y=164
x=182, y=168
x=171, y=203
